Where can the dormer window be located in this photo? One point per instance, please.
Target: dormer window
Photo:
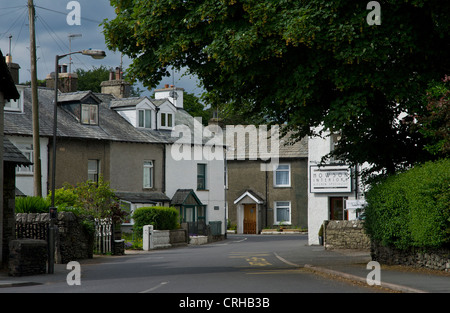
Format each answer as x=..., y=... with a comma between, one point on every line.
x=145, y=118
x=15, y=105
x=89, y=114
x=167, y=120
x=82, y=105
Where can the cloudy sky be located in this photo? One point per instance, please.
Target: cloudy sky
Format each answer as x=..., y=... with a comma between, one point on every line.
x=52, y=37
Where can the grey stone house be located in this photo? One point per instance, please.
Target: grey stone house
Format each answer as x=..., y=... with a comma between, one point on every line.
x=268, y=199
x=92, y=140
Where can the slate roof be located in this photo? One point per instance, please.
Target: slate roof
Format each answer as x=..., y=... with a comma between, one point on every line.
x=12, y=154
x=250, y=150
x=7, y=86
x=134, y=101
x=252, y=194
x=126, y=102
x=143, y=197
x=111, y=125
x=181, y=195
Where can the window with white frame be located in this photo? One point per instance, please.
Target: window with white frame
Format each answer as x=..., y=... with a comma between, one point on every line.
x=148, y=174
x=282, y=176
x=282, y=212
x=27, y=151
x=201, y=176
x=166, y=120
x=15, y=105
x=93, y=170
x=89, y=114
x=145, y=118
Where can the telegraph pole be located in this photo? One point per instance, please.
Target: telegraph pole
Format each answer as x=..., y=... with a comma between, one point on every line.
x=35, y=103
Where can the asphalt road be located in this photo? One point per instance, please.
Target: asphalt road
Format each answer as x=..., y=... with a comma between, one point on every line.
x=238, y=265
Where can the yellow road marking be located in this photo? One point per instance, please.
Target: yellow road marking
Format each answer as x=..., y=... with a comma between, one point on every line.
x=253, y=259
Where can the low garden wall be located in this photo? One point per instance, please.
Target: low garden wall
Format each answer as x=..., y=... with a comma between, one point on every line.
x=345, y=235
x=436, y=259
x=27, y=257
x=74, y=241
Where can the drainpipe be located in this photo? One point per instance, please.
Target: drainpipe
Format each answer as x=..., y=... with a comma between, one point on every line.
x=164, y=170
x=225, y=188
x=156, y=118
x=267, y=196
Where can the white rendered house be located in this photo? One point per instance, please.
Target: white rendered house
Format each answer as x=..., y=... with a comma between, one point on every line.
x=335, y=191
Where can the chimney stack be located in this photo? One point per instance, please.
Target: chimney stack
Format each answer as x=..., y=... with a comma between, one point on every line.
x=111, y=74
x=174, y=94
x=13, y=68
x=116, y=85
x=67, y=82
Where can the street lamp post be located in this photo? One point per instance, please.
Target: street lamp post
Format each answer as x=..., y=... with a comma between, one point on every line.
x=96, y=54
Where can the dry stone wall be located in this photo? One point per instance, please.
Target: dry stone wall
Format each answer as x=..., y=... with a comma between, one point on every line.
x=73, y=240
x=345, y=235
x=436, y=259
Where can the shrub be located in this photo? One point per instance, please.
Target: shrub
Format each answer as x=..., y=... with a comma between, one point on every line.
x=160, y=217
x=31, y=205
x=88, y=198
x=65, y=198
x=411, y=209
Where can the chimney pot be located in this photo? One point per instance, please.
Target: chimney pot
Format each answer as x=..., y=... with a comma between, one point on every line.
x=118, y=73
x=166, y=86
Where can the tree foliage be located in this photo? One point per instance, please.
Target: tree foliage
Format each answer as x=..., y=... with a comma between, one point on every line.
x=95, y=199
x=303, y=63
x=92, y=79
x=435, y=123
x=194, y=106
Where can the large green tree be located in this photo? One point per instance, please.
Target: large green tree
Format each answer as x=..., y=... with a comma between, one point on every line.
x=303, y=63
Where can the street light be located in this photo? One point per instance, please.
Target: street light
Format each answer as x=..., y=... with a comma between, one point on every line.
x=95, y=54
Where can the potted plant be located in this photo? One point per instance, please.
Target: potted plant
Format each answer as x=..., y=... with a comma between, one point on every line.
x=321, y=235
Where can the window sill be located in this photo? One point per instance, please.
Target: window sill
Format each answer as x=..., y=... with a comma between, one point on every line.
x=25, y=174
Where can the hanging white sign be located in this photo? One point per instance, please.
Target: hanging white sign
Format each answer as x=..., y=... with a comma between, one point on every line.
x=355, y=204
x=330, y=179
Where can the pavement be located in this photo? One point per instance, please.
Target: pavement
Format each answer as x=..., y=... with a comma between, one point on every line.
x=346, y=265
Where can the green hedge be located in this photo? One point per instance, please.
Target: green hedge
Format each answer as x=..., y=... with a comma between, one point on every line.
x=162, y=218
x=411, y=209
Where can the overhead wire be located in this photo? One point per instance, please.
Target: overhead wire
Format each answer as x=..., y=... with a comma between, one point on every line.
x=13, y=24
x=22, y=15
x=65, y=13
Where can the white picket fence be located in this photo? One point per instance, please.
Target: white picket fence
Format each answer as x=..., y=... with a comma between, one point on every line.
x=103, y=235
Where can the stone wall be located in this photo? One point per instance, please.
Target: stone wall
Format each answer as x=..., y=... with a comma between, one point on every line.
x=178, y=237
x=8, y=224
x=27, y=257
x=345, y=235
x=436, y=259
x=73, y=240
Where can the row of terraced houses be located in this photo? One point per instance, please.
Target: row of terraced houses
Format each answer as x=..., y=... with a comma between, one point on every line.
x=132, y=143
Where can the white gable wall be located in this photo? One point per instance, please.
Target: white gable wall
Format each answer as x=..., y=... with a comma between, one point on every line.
x=182, y=174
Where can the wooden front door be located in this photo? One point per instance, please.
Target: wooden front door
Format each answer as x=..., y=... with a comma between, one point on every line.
x=249, y=218
x=337, y=211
